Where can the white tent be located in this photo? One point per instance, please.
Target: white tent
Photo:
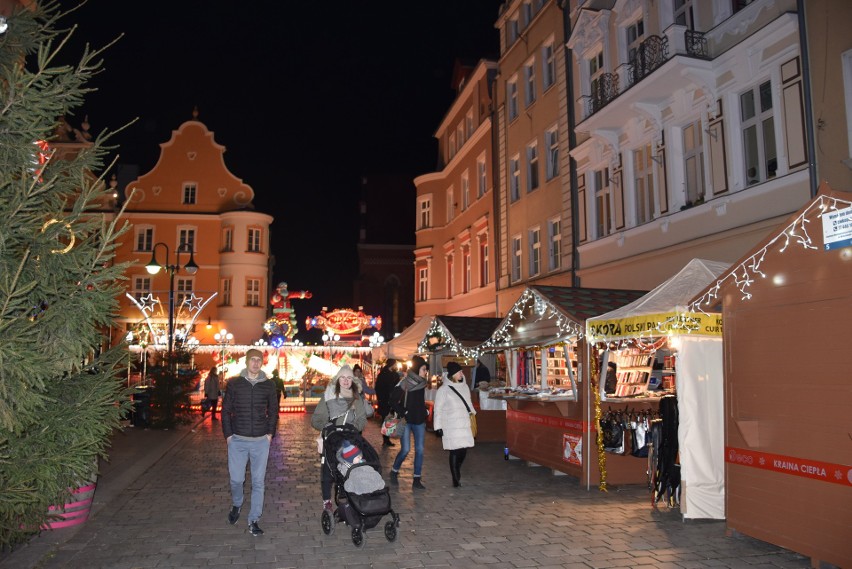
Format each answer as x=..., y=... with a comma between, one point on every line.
x=699, y=372
x=405, y=345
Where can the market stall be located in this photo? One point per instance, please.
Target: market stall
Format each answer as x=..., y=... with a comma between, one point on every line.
x=402, y=347
x=787, y=305
x=541, y=342
x=661, y=350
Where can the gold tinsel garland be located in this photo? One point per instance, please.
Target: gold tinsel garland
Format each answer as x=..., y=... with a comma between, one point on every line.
x=595, y=386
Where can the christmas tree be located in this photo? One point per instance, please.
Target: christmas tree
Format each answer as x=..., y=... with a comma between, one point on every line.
x=60, y=390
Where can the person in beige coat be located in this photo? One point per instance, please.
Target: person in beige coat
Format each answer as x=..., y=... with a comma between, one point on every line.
x=452, y=418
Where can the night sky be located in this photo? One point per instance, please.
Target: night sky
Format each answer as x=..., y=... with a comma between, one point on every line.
x=307, y=97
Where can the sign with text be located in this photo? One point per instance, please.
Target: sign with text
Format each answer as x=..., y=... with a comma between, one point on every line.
x=572, y=449
x=837, y=228
x=693, y=323
x=792, y=465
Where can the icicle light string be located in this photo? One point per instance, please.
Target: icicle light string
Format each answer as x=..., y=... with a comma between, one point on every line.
x=542, y=310
x=796, y=233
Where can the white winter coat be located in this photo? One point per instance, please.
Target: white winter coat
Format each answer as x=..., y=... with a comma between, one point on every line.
x=452, y=417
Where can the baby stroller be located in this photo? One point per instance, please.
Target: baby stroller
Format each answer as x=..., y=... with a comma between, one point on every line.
x=359, y=511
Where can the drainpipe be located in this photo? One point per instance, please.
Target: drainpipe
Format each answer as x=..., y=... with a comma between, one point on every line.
x=564, y=5
x=806, y=86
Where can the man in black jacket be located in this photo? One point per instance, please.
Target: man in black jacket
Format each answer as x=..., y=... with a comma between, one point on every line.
x=387, y=380
x=249, y=420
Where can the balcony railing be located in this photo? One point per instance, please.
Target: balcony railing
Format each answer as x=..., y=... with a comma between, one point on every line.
x=650, y=55
x=696, y=44
x=604, y=90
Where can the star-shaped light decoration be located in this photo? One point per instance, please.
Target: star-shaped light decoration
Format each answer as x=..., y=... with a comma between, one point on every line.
x=193, y=302
x=148, y=303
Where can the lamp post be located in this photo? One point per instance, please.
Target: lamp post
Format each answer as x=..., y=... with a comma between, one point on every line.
x=223, y=337
x=153, y=267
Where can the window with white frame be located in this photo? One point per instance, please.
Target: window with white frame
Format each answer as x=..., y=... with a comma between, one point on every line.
x=693, y=162
x=141, y=287
x=513, y=31
x=529, y=83
x=460, y=135
x=183, y=291
x=189, y=193
x=186, y=236
x=483, y=260
x=635, y=34
x=512, y=97
x=683, y=15
x=548, y=66
x=596, y=71
x=465, y=190
x=554, y=238
x=451, y=143
x=534, y=240
x=516, y=258
x=451, y=204
x=526, y=14
x=252, y=292
x=226, y=292
x=643, y=180
x=758, y=128
x=468, y=121
x=228, y=239
x=551, y=143
x=254, y=240
x=603, y=203
x=481, y=177
x=515, y=178
x=466, y=260
x=144, y=238
x=423, y=284
x=532, y=167
x=424, y=212
x=450, y=279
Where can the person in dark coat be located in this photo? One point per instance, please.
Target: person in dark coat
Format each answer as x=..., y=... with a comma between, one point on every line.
x=408, y=400
x=385, y=382
x=482, y=373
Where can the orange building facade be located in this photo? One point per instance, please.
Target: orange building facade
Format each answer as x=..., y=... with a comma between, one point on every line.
x=190, y=202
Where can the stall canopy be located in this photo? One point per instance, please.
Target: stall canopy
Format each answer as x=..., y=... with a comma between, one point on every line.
x=457, y=334
x=405, y=345
x=699, y=371
x=547, y=315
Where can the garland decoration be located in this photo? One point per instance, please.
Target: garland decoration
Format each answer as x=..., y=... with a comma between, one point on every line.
x=595, y=386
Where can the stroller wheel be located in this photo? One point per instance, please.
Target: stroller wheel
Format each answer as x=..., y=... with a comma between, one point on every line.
x=358, y=537
x=327, y=521
x=390, y=530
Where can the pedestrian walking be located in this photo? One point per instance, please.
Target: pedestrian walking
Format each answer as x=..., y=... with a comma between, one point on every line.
x=408, y=400
x=342, y=403
x=211, y=393
x=385, y=382
x=453, y=407
x=249, y=420
x=279, y=386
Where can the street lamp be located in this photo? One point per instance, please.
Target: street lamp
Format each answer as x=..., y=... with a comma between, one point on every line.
x=153, y=267
x=223, y=337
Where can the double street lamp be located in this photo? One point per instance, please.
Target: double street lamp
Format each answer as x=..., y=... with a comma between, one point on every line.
x=153, y=267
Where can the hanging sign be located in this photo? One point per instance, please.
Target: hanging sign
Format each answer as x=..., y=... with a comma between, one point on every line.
x=694, y=323
x=837, y=229
x=572, y=449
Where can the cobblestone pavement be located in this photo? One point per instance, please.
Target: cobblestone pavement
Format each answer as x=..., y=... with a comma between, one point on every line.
x=506, y=514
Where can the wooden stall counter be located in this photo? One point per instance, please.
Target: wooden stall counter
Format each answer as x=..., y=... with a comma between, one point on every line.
x=546, y=433
x=490, y=418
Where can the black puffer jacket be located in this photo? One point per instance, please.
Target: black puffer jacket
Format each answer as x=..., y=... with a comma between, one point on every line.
x=413, y=408
x=249, y=410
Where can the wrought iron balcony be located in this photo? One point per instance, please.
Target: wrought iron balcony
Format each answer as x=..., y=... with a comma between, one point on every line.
x=651, y=54
x=696, y=44
x=604, y=90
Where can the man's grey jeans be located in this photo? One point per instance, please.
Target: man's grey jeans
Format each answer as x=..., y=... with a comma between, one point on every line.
x=240, y=451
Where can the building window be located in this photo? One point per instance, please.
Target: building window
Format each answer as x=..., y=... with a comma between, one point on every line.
x=452, y=145
x=635, y=35
x=228, y=239
x=450, y=279
x=183, y=292
x=460, y=135
x=513, y=31
x=554, y=237
x=683, y=15
x=253, y=292
x=141, y=287
x=548, y=66
x=451, y=205
x=483, y=261
x=551, y=141
x=526, y=14
x=226, y=292
x=643, y=170
x=596, y=71
x=468, y=121
x=189, y=193
x=422, y=284
x=186, y=236
x=534, y=236
x=424, y=212
x=515, y=178
x=603, y=202
x=465, y=189
x=693, y=162
x=254, y=240
x=481, y=177
x=529, y=83
x=144, y=239
x=467, y=268
x=532, y=167
x=516, y=258
x=740, y=4
x=512, y=98
x=758, y=127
